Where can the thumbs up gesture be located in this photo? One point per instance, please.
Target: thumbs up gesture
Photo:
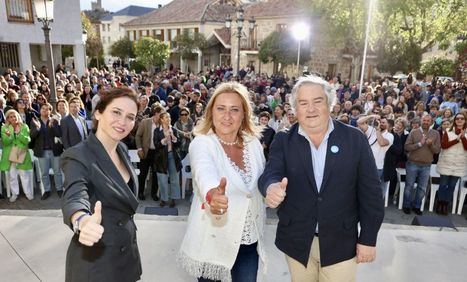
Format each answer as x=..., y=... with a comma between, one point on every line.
x=219, y=201
x=275, y=194
x=92, y=230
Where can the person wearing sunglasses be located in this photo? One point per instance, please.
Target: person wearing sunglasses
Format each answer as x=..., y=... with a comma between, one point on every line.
x=452, y=162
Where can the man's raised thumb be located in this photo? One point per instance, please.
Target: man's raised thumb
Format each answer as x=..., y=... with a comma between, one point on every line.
x=284, y=183
x=97, y=215
x=222, y=185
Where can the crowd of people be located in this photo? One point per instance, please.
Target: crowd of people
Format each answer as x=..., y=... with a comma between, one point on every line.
x=173, y=103
x=259, y=139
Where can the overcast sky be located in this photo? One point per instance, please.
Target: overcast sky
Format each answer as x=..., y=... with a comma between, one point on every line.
x=116, y=5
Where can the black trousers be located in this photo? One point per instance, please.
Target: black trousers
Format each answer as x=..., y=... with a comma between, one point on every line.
x=144, y=166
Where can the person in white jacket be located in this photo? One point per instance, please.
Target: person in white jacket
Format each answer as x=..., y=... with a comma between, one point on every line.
x=452, y=162
x=224, y=238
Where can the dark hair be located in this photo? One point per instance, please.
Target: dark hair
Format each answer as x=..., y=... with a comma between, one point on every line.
x=265, y=114
x=357, y=107
x=48, y=105
x=108, y=97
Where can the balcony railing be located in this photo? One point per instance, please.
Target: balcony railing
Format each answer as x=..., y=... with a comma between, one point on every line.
x=248, y=44
x=19, y=11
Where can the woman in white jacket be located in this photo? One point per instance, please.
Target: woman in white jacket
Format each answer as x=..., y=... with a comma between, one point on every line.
x=224, y=238
x=452, y=162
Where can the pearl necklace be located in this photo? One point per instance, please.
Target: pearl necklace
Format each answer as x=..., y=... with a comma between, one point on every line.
x=227, y=143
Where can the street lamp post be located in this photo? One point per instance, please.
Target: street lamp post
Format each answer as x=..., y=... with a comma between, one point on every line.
x=367, y=33
x=85, y=39
x=239, y=34
x=300, y=32
x=44, y=12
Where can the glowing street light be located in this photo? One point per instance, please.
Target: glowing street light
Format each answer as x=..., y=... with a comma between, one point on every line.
x=300, y=31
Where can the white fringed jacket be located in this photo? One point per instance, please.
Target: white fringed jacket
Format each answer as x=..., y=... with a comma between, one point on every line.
x=211, y=243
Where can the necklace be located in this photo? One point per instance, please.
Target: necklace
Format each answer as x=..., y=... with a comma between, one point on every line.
x=228, y=143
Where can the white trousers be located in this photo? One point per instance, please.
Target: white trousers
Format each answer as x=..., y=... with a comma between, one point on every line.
x=26, y=177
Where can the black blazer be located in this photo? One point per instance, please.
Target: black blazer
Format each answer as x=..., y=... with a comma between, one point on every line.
x=162, y=153
x=90, y=176
x=38, y=135
x=350, y=193
x=70, y=132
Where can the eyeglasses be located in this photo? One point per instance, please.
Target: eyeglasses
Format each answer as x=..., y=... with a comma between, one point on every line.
x=460, y=118
x=183, y=114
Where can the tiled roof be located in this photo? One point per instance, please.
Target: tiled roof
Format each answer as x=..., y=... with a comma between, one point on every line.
x=132, y=11
x=274, y=8
x=224, y=35
x=183, y=11
x=180, y=11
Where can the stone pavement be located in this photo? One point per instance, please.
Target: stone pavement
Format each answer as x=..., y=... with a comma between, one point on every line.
x=33, y=248
x=33, y=243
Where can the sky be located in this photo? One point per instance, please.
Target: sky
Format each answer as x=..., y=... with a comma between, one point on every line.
x=116, y=5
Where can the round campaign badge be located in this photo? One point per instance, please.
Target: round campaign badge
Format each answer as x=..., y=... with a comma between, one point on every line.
x=334, y=149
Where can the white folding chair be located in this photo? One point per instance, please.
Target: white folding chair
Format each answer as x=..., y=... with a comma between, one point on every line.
x=386, y=193
x=186, y=173
x=134, y=158
x=462, y=194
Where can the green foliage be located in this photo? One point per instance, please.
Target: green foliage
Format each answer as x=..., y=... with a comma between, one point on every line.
x=94, y=46
x=403, y=29
x=67, y=51
x=394, y=56
x=122, y=49
x=461, y=47
x=151, y=52
x=187, y=43
x=439, y=67
x=86, y=25
x=280, y=47
x=137, y=66
x=97, y=62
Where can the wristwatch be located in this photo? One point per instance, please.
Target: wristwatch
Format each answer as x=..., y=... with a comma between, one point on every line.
x=76, y=229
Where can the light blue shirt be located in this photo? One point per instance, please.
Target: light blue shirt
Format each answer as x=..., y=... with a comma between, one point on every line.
x=318, y=156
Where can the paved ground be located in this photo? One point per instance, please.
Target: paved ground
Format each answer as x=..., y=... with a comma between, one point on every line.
x=33, y=243
x=51, y=207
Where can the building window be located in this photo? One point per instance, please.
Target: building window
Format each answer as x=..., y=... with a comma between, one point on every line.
x=159, y=34
x=19, y=11
x=109, y=40
x=9, y=56
x=108, y=27
x=332, y=69
x=103, y=27
x=172, y=34
x=281, y=27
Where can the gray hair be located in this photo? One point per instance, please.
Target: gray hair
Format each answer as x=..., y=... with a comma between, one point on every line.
x=313, y=80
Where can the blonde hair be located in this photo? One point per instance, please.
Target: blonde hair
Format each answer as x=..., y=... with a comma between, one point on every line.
x=248, y=127
x=18, y=116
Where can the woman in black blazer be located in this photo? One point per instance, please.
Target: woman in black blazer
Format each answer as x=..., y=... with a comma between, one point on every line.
x=168, y=164
x=99, y=200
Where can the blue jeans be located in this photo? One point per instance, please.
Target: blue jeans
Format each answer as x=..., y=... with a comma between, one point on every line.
x=245, y=268
x=447, y=184
x=421, y=175
x=49, y=160
x=163, y=180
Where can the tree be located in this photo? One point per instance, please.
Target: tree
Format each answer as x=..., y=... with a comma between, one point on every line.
x=86, y=25
x=94, y=49
x=123, y=49
x=400, y=30
x=281, y=48
x=414, y=27
x=186, y=44
x=345, y=20
x=151, y=52
x=439, y=67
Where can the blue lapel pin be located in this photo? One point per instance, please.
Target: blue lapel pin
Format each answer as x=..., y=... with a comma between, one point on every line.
x=334, y=149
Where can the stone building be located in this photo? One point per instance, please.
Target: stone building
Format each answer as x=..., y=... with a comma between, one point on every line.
x=22, y=37
x=209, y=16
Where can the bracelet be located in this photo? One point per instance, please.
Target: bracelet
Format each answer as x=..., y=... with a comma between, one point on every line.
x=77, y=221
